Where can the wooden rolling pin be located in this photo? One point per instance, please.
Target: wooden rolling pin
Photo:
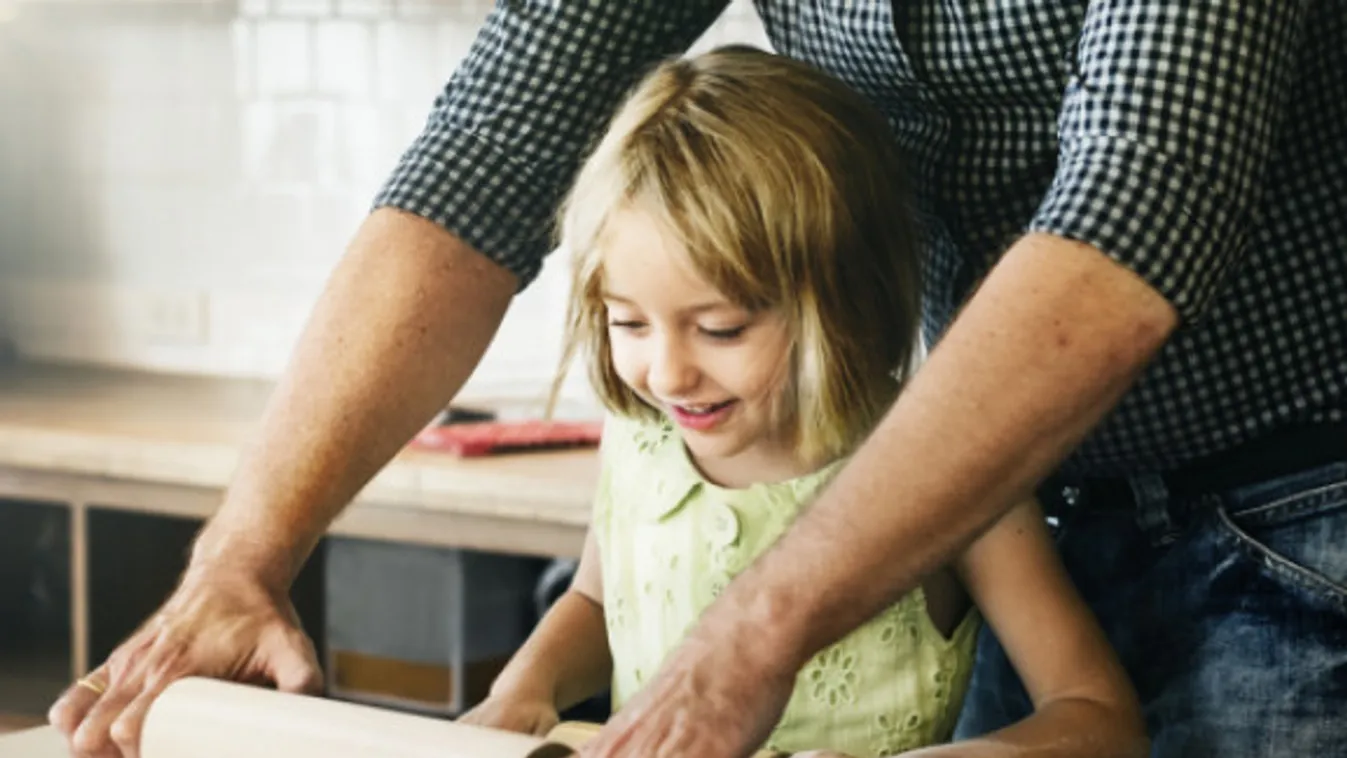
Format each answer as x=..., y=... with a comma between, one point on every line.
x=205, y=718
x=573, y=734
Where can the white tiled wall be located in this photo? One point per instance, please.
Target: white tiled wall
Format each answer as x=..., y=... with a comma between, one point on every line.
x=177, y=178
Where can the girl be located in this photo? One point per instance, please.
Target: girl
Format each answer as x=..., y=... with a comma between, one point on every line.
x=746, y=287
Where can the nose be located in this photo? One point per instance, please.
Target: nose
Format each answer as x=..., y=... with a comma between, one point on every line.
x=673, y=371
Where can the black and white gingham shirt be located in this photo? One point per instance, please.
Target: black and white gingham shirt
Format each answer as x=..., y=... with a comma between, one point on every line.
x=1201, y=144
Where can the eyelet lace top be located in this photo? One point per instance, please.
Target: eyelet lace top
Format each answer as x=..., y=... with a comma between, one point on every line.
x=670, y=541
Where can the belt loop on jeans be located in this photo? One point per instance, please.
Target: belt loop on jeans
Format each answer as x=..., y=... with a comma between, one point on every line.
x=1152, y=507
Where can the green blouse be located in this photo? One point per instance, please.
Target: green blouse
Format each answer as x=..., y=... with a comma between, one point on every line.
x=669, y=543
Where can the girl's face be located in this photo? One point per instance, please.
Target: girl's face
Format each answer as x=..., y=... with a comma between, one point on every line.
x=715, y=368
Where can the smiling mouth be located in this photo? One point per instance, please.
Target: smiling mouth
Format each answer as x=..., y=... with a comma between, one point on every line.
x=703, y=410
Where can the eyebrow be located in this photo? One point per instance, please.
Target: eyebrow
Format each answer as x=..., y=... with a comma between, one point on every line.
x=699, y=308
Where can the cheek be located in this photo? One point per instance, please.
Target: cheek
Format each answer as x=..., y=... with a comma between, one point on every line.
x=764, y=376
x=628, y=361
x=773, y=361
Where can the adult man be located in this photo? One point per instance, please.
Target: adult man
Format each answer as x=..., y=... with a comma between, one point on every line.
x=1153, y=196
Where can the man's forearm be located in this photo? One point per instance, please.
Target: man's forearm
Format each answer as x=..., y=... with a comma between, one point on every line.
x=1045, y=349
x=400, y=326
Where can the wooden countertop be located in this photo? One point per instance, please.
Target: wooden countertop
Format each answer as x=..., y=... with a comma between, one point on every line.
x=187, y=432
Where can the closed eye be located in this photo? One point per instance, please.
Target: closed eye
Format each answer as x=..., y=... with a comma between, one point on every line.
x=625, y=324
x=725, y=334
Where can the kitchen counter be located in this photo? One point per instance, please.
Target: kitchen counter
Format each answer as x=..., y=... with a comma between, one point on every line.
x=104, y=426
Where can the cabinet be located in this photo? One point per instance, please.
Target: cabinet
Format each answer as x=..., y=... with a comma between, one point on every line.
x=423, y=627
x=128, y=562
x=34, y=606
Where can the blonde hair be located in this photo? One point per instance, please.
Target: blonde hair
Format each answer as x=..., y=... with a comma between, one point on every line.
x=787, y=191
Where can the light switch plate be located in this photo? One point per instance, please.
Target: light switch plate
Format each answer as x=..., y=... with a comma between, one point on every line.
x=179, y=317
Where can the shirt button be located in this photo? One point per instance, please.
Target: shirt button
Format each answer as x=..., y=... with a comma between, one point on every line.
x=724, y=526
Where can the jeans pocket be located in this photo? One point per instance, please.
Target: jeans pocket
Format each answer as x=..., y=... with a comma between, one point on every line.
x=1295, y=528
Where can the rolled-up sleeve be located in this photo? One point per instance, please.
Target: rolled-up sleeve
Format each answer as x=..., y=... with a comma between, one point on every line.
x=1166, y=129
x=506, y=135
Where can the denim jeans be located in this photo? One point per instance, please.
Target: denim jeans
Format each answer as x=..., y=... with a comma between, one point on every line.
x=1230, y=614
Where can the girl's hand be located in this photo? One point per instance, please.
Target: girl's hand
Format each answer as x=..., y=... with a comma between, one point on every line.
x=534, y=716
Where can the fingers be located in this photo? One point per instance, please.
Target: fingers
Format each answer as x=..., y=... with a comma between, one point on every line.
x=136, y=673
x=127, y=670
x=93, y=738
x=546, y=722
x=525, y=717
x=69, y=710
x=292, y=664
x=128, y=727
x=616, y=739
x=145, y=680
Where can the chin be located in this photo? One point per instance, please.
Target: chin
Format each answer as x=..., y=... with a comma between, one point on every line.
x=702, y=447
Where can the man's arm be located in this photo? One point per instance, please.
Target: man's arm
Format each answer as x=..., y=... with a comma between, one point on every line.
x=1052, y=340
x=400, y=326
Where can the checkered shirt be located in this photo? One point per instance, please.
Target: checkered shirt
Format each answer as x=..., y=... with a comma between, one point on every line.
x=1201, y=144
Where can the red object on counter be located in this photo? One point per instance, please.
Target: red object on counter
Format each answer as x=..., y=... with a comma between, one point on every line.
x=470, y=440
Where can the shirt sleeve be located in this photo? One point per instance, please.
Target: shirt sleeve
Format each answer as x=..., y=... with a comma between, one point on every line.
x=507, y=134
x=1168, y=121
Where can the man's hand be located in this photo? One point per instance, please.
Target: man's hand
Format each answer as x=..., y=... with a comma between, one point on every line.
x=714, y=698
x=410, y=307
x=217, y=624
